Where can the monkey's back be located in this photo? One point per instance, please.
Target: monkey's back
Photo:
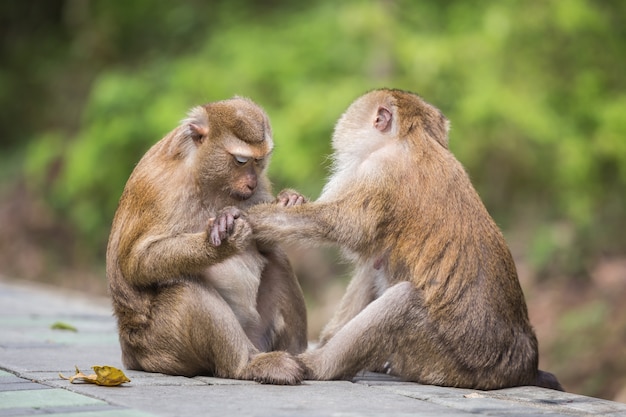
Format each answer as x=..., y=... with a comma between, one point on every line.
x=142, y=211
x=442, y=239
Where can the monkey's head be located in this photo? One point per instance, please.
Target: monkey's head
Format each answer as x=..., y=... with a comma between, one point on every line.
x=228, y=144
x=381, y=117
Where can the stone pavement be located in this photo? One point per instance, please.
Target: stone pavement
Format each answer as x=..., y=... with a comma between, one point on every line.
x=32, y=354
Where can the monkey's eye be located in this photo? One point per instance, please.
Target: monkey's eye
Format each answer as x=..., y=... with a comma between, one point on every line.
x=240, y=160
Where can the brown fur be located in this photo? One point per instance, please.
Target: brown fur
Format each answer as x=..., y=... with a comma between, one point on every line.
x=191, y=291
x=435, y=297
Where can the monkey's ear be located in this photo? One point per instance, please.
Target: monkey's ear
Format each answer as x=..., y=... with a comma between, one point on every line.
x=196, y=125
x=197, y=133
x=382, y=122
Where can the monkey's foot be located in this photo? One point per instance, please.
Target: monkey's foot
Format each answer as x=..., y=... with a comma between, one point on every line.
x=279, y=368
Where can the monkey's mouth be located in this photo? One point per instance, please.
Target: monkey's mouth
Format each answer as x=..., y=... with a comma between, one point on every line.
x=241, y=195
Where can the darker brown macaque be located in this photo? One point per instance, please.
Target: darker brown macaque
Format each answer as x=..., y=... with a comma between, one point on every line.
x=435, y=297
x=192, y=291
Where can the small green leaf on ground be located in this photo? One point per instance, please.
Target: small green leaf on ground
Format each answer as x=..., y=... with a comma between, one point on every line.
x=59, y=325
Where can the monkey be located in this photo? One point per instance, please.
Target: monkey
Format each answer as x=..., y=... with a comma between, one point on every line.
x=192, y=291
x=435, y=296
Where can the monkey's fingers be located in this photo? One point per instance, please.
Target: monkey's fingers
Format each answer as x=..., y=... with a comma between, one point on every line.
x=230, y=222
x=232, y=211
x=282, y=200
x=236, y=213
x=295, y=200
x=214, y=235
x=290, y=198
x=222, y=226
x=212, y=230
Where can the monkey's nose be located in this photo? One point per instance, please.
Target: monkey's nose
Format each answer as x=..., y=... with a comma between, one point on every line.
x=251, y=184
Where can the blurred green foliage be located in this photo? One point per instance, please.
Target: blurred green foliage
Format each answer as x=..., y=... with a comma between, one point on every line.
x=534, y=90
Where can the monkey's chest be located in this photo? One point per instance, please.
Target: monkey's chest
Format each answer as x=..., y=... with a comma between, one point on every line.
x=237, y=280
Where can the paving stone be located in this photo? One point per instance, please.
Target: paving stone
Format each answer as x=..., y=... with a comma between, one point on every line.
x=82, y=411
x=222, y=381
x=563, y=401
x=21, y=386
x=41, y=398
x=318, y=399
x=32, y=355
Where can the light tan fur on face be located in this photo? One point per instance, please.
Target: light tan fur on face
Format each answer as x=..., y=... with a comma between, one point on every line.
x=235, y=146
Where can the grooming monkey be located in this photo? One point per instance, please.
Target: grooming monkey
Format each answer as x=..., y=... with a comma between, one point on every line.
x=435, y=296
x=192, y=291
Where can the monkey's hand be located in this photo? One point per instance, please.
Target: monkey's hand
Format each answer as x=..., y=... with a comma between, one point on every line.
x=229, y=226
x=290, y=198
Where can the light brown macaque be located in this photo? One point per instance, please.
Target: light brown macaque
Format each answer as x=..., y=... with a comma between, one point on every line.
x=435, y=297
x=192, y=291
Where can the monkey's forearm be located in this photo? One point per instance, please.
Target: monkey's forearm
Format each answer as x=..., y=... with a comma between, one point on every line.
x=162, y=257
x=312, y=222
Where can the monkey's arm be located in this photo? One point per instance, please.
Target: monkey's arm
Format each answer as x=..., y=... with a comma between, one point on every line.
x=161, y=257
x=274, y=223
x=315, y=223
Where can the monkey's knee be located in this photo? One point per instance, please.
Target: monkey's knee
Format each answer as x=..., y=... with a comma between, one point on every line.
x=279, y=368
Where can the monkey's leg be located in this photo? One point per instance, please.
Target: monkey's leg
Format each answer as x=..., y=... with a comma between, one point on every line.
x=194, y=331
x=397, y=328
x=280, y=304
x=365, y=341
x=360, y=292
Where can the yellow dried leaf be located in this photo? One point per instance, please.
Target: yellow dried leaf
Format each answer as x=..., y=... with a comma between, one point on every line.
x=107, y=376
x=79, y=375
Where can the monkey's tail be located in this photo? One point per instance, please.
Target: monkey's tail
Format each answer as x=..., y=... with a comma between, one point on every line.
x=548, y=380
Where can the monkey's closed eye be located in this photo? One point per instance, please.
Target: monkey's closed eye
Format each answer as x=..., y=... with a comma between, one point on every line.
x=241, y=160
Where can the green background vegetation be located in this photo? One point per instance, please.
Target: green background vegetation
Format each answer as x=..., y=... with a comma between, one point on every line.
x=534, y=89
